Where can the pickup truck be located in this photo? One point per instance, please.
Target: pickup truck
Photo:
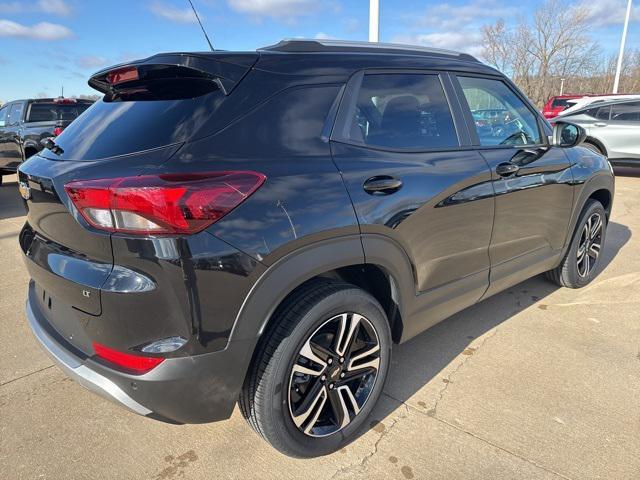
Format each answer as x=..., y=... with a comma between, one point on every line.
x=25, y=123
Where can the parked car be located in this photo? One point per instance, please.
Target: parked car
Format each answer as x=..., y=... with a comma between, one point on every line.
x=25, y=123
x=581, y=103
x=613, y=129
x=556, y=104
x=262, y=227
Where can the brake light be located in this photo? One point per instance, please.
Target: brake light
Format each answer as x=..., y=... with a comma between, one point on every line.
x=57, y=131
x=135, y=363
x=162, y=204
x=122, y=75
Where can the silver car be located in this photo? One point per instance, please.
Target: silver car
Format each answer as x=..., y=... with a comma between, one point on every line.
x=613, y=129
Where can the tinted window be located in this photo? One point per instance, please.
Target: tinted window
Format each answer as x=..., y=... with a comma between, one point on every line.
x=403, y=111
x=500, y=117
x=15, y=114
x=560, y=102
x=626, y=112
x=599, y=113
x=135, y=122
x=51, y=112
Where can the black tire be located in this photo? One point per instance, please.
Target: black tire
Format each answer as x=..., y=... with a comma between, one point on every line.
x=268, y=389
x=571, y=271
x=593, y=147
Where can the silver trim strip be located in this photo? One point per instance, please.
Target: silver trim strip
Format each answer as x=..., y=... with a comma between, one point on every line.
x=79, y=372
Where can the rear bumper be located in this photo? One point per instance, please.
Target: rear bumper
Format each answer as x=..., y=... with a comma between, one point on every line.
x=194, y=389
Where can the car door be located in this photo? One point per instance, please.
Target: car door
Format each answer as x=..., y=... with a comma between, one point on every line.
x=621, y=133
x=404, y=155
x=532, y=181
x=12, y=148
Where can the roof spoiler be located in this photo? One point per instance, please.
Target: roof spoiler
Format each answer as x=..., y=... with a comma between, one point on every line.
x=224, y=68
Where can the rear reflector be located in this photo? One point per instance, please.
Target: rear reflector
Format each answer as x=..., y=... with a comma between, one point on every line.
x=57, y=131
x=162, y=204
x=135, y=363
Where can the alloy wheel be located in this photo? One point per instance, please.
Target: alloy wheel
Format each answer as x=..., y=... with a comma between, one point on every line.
x=590, y=245
x=333, y=374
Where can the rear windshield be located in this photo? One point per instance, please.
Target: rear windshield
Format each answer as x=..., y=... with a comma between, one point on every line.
x=136, y=121
x=560, y=102
x=52, y=112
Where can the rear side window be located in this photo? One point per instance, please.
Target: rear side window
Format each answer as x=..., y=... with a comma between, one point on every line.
x=15, y=114
x=51, y=112
x=500, y=117
x=626, y=112
x=403, y=111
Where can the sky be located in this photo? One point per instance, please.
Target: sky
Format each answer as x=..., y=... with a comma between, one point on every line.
x=45, y=44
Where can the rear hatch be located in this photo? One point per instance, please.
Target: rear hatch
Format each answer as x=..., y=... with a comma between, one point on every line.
x=138, y=125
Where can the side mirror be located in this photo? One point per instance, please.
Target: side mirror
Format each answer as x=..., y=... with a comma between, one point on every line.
x=568, y=135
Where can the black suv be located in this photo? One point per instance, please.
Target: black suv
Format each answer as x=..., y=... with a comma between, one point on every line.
x=262, y=227
x=24, y=124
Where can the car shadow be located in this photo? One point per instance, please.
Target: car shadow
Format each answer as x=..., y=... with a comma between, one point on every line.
x=11, y=205
x=421, y=359
x=627, y=171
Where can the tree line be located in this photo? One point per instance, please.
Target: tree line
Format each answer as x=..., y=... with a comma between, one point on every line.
x=554, y=44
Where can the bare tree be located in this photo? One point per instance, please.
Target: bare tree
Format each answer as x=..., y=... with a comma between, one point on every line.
x=552, y=45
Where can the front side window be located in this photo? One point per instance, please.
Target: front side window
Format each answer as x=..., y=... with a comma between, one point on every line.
x=15, y=114
x=403, y=111
x=499, y=116
x=626, y=112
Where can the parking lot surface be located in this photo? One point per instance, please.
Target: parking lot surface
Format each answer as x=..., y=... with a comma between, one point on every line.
x=536, y=382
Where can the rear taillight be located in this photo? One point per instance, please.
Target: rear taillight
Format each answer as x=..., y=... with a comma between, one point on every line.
x=162, y=204
x=57, y=131
x=135, y=363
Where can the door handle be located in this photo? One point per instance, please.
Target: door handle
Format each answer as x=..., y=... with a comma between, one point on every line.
x=382, y=185
x=599, y=124
x=506, y=169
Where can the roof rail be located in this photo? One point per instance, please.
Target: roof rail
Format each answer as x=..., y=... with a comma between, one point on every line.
x=309, y=45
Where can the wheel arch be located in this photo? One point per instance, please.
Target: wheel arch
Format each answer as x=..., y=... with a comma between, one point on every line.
x=597, y=143
x=384, y=272
x=598, y=187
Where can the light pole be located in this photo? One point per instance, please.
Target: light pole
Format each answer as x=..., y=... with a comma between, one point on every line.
x=561, y=86
x=616, y=82
x=374, y=20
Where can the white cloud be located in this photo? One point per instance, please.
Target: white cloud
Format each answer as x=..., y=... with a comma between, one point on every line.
x=604, y=13
x=39, y=31
x=448, y=16
x=470, y=42
x=323, y=36
x=91, y=61
x=56, y=7
x=278, y=9
x=174, y=14
x=52, y=7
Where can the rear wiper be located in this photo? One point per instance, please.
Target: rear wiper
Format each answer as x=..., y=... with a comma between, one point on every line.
x=51, y=145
